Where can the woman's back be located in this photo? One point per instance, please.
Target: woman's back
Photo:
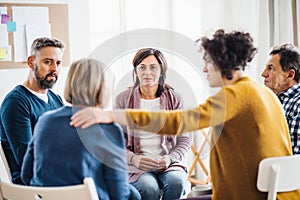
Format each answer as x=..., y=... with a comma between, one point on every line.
x=64, y=155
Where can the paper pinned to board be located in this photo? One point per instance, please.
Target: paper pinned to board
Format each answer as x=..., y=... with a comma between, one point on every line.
x=26, y=16
x=3, y=35
x=5, y=18
x=11, y=26
x=34, y=31
x=3, y=10
x=2, y=53
x=5, y=53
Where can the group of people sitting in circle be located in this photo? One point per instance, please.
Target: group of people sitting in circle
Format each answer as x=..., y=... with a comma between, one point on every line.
x=137, y=150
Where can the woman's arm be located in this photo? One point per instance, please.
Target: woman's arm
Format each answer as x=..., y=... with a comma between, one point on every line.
x=171, y=122
x=91, y=115
x=183, y=144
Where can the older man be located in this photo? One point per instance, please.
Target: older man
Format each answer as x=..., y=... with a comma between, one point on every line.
x=282, y=74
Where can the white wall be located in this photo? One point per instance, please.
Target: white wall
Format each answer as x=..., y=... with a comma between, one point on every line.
x=79, y=44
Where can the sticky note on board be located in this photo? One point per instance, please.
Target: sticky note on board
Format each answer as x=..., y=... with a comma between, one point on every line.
x=2, y=53
x=5, y=18
x=11, y=26
x=7, y=51
x=3, y=10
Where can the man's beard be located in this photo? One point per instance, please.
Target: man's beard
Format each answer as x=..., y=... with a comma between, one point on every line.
x=42, y=81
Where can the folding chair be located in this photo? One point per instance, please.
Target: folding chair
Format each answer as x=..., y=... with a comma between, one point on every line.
x=278, y=174
x=4, y=168
x=85, y=191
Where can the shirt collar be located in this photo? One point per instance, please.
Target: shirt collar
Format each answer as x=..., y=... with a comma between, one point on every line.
x=290, y=92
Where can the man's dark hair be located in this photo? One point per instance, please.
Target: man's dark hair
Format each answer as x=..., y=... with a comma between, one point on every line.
x=289, y=58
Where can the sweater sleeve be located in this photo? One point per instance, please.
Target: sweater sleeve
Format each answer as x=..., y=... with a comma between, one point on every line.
x=214, y=112
x=17, y=125
x=183, y=142
x=27, y=167
x=169, y=122
x=120, y=104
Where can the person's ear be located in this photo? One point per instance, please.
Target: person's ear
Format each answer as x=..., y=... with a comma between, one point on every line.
x=291, y=74
x=30, y=61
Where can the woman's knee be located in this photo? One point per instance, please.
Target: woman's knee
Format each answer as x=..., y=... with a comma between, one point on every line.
x=148, y=186
x=176, y=180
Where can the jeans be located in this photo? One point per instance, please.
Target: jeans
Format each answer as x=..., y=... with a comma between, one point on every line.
x=134, y=193
x=171, y=185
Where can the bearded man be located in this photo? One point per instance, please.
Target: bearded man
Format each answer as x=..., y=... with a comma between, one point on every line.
x=22, y=107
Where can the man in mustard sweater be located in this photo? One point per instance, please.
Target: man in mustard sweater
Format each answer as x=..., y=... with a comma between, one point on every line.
x=247, y=120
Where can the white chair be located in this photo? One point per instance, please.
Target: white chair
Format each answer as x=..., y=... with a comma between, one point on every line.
x=85, y=191
x=278, y=174
x=4, y=168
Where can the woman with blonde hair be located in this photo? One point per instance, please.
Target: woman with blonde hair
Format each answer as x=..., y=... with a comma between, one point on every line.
x=60, y=155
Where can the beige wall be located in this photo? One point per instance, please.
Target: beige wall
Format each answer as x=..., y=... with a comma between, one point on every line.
x=79, y=45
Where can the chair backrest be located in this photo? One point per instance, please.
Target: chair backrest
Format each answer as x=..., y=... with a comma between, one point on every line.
x=4, y=168
x=278, y=174
x=85, y=191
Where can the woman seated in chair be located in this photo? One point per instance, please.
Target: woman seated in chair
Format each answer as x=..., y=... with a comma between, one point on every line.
x=156, y=163
x=60, y=155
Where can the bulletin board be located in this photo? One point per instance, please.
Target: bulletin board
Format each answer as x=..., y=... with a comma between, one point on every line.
x=59, y=20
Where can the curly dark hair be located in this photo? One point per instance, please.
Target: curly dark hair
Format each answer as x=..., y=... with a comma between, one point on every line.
x=229, y=51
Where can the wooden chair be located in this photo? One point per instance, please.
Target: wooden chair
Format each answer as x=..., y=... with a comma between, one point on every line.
x=4, y=168
x=85, y=191
x=278, y=174
x=196, y=160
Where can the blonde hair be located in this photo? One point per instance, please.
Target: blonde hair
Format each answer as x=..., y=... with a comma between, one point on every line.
x=89, y=83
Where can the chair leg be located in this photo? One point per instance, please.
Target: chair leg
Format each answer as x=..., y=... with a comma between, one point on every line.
x=273, y=182
x=198, y=160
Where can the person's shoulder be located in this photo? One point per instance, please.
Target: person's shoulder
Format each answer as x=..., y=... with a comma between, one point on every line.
x=115, y=127
x=18, y=91
x=53, y=94
x=19, y=94
x=294, y=96
x=126, y=93
x=171, y=92
x=246, y=88
x=295, y=92
x=246, y=84
x=123, y=97
x=56, y=114
x=113, y=131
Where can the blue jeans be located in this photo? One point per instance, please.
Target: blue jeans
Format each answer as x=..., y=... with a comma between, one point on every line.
x=171, y=185
x=134, y=193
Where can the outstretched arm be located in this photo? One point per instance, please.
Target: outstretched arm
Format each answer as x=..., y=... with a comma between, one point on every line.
x=91, y=115
x=171, y=122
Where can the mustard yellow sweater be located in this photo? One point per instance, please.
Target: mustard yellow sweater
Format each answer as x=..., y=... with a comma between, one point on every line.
x=248, y=124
